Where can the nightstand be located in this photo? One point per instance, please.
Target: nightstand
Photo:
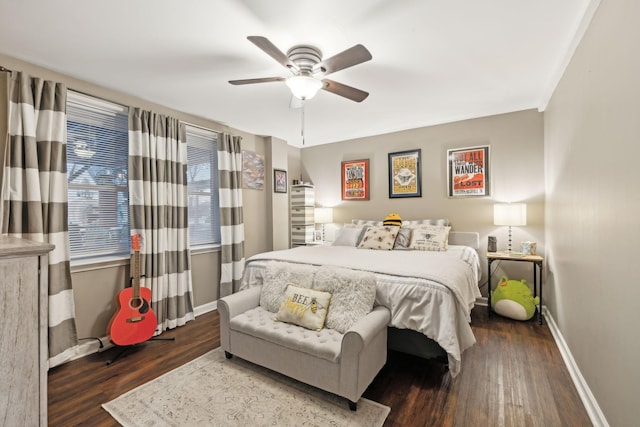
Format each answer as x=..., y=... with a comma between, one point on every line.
x=536, y=260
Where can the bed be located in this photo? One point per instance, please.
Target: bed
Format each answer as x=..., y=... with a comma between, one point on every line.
x=430, y=294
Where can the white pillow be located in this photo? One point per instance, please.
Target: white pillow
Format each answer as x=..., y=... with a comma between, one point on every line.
x=348, y=236
x=379, y=237
x=277, y=276
x=304, y=307
x=403, y=238
x=353, y=295
x=429, y=238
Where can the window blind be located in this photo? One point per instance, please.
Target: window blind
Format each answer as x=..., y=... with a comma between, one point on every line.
x=97, y=172
x=202, y=186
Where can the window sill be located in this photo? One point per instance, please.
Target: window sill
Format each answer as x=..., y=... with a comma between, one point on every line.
x=98, y=263
x=91, y=264
x=204, y=249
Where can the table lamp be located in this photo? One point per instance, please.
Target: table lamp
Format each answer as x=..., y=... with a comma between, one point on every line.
x=510, y=214
x=323, y=216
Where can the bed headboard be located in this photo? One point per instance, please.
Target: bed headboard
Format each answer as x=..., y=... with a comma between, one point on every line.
x=465, y=238
x=461, y=238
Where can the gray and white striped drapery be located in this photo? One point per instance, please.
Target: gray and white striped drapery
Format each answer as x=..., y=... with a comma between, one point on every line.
x=231, y=215
x=35, y=194
x=158, y=201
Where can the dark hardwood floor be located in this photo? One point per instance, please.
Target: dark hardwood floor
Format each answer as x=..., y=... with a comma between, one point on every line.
x=513, y=376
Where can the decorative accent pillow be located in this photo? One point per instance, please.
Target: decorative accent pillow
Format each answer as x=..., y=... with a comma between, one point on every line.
x=429, y=238
x=304, y=307
x=353, y=295
x=379, y=237
x=348, y=236
x=277, y=276
x=403, y=238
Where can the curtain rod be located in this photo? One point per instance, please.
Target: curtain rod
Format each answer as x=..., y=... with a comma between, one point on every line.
x=5, y=69
x=199, y=126
x=129, y=106
x=99, y=97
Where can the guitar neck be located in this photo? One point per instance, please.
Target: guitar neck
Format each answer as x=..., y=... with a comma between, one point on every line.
x=135, y=282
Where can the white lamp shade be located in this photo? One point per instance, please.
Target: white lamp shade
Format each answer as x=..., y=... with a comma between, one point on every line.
x=512, y=214
x=303, y=87
x=323, y=215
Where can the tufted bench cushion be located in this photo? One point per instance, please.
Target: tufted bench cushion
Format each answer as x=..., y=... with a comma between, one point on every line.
x=259, y=323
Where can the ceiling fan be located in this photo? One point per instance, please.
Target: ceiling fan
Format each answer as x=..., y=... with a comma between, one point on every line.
x=309, y=69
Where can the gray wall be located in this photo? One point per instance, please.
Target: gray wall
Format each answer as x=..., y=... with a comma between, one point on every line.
x=279, y=206
x=592, y=143
x=517, y=174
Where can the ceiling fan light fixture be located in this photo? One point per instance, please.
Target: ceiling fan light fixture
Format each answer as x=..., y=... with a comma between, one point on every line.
x=303, y=87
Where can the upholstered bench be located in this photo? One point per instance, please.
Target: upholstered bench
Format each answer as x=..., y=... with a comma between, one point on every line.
x=343, y=364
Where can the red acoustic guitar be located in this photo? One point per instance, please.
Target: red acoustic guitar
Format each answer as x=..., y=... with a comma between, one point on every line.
x=135, y=321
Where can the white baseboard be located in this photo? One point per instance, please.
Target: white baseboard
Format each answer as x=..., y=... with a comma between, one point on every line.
x=589, y=401
x=93, y=345
x=205, y=308
x=90, y=346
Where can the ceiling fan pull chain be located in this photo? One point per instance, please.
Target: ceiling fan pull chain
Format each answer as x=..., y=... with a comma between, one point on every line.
x=302, y=115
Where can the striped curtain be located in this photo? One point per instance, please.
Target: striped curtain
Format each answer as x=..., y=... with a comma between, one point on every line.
x=158, y=207
x=231, y=216
x=35, y=194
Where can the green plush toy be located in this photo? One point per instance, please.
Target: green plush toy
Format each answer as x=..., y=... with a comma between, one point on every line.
x=513, y=299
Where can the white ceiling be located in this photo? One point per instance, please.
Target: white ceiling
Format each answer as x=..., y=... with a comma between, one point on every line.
x=434, y=61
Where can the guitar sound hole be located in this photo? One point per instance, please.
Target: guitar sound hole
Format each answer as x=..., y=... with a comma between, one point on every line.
x=139, y=304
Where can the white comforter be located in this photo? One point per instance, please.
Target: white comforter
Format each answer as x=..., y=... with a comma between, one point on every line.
x=429, y=292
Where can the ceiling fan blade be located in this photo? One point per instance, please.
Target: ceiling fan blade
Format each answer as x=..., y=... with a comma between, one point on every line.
x=271, y=50
x=262, y=80
x=341, y=89
x=353, y=56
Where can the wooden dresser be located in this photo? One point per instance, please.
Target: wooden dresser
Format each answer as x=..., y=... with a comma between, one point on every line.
x=23, y=332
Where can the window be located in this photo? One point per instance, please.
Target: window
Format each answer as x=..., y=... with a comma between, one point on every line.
x=97, y=167
x=202, y=186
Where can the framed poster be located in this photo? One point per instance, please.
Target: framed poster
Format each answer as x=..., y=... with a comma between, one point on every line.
x=355, y=180
x=279, y=181
x=404, y=174
x=468, y=172
x=252, y=170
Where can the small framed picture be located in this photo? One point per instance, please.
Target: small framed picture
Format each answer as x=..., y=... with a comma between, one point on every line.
x=317, y=236
x=279, y=181
x=404, y=174
x=468, y=172
x=252, y=170
x=355, y=180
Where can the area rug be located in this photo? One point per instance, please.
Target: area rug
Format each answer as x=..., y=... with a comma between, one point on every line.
x=215, y=391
